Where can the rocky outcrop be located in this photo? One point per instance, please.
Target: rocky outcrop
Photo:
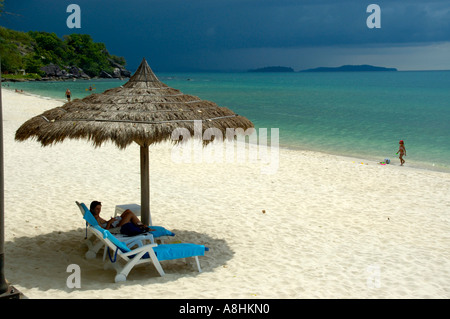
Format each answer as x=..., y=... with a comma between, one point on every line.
x=125, y=73
x=119, y=70
x=78, y=72
x=105, y=75
x=54, y=72
x=117, y=73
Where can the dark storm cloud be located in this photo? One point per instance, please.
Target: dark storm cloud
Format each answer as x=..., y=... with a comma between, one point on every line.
x=283, y=23
x=179, y=29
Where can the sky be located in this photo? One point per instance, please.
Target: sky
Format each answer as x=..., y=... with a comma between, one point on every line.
x=237, y=35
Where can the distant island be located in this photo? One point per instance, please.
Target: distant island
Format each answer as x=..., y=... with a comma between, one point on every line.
x=351, y=68
x=38, y=55
x=273, y=69
x=344, y=68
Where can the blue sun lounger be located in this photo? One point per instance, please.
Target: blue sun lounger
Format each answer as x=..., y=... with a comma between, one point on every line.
x=123, y=259
x=120, y=252
x=94, y=245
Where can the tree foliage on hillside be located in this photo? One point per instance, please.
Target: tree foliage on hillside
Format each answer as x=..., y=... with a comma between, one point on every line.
x=32, y=50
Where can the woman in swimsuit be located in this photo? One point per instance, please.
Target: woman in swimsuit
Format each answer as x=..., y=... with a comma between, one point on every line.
x=126, y=217
x=402, y=151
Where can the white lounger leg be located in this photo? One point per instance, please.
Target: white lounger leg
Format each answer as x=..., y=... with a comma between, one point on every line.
x=93, y=249
x=156, y=263
x=127, y=268
x=198, y=264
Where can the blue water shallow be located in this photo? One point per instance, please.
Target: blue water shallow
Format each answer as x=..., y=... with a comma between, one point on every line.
x=360, y=114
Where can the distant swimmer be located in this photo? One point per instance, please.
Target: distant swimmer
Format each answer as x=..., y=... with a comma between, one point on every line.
x=402, y=151
x=68, y=94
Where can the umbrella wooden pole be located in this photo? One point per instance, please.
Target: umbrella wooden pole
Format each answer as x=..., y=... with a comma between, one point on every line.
x=6, y=290
x=145, y=186
x=3, y=284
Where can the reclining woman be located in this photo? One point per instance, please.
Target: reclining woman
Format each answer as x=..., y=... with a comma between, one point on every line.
x=126, y=217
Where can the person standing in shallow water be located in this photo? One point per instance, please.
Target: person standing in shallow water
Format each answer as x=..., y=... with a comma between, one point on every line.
x=402, y=151
x=68, y=94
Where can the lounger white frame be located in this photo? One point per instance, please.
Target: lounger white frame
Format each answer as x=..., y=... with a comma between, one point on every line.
x=131, y=259
x=124, y=262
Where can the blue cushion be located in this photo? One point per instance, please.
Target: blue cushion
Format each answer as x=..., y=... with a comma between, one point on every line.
x=114, y=240
x=176, y=251
x=88, y=216
x=160, y=231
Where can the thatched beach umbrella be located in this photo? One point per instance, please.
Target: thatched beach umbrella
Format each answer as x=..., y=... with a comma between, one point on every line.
x=144, y=111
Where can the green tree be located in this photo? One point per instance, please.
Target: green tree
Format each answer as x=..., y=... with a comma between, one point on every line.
x=33, y=64
x=90, y=56
x=32, y=50
x=49, y=47
x=13, y=46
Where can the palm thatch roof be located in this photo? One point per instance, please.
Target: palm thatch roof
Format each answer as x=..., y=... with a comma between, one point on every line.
x=144, y=110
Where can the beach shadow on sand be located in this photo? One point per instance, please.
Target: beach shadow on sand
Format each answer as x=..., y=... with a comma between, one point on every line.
x=41, y=262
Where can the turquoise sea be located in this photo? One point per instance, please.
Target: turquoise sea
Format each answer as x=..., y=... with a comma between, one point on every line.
x=361, y=114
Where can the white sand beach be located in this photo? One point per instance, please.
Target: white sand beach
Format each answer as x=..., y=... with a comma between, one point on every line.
x=321, y=226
